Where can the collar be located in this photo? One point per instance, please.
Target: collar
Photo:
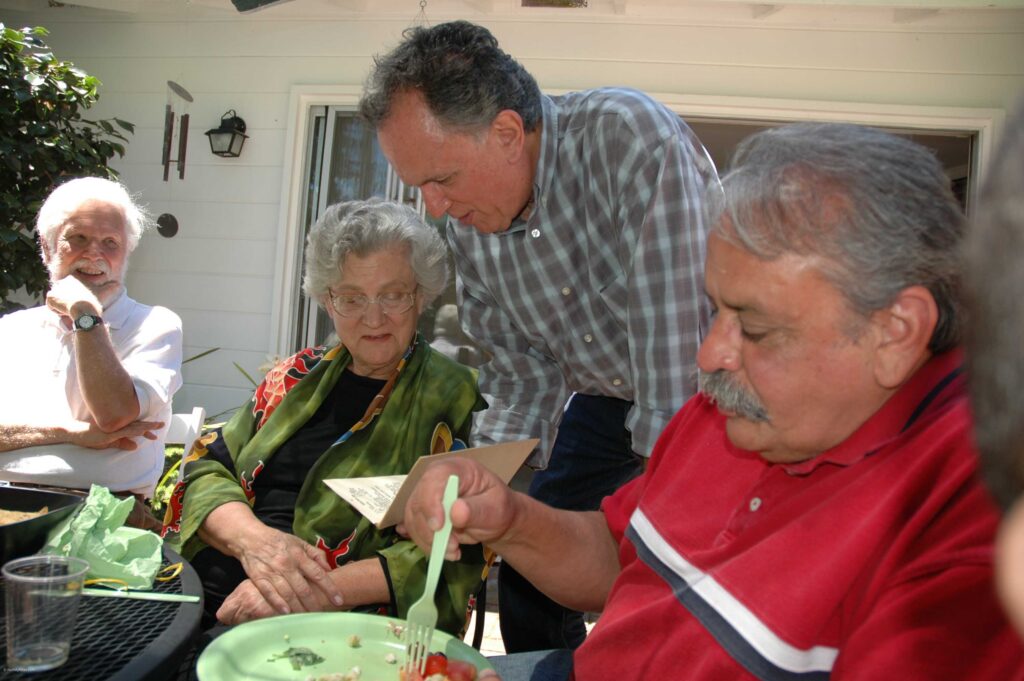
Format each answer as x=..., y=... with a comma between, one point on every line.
x=115, y=315
x=932, y=386
x=544, y=173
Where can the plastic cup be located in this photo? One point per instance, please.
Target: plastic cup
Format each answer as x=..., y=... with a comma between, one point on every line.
x=42, y=601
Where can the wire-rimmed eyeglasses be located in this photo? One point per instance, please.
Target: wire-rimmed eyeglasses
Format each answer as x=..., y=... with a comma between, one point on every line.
x=391, y=303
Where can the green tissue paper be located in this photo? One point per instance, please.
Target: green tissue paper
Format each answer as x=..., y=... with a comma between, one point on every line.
x=97, y=534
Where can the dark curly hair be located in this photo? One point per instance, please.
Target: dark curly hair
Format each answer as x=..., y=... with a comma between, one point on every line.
x=464, y=76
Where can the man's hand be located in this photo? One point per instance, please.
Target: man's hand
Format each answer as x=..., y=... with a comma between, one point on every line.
x=570, y=556
x=69, y=292
x=483, y=513
x=88, y=434
x=289, y=574
x=79, y=433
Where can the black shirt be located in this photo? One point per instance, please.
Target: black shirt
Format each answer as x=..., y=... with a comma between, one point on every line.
x=278, y=484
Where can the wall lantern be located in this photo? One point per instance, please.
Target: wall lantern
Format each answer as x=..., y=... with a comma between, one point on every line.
x=227, y=140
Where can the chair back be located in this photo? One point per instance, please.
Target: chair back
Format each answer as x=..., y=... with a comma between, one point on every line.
x=185, y=428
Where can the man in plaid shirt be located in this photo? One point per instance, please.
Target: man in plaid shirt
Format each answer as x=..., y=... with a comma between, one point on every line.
x=577, y=223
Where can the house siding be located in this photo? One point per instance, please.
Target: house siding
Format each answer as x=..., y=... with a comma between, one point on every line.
x=218, y=273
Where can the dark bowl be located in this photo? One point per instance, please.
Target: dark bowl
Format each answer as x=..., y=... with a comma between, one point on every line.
x=25, y=537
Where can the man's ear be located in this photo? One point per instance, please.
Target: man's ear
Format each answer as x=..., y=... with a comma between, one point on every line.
x=507, y=128
x=904, y=330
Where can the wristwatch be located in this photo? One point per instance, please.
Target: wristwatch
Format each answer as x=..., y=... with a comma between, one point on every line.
x=87, y=322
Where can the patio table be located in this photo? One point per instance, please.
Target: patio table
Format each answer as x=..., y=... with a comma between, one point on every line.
x=125, y=639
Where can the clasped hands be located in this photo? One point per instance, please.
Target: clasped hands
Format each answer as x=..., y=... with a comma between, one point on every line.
x=88, y=434
x=285, y=574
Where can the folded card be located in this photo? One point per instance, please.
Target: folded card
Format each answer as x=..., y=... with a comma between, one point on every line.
x=381, y=499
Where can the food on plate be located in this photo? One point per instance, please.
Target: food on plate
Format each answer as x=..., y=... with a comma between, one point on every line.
x=8, y=517
x=440, y=668
x=298, y=657
x=437, y=668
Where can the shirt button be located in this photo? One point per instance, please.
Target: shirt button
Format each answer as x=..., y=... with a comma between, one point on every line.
x=587, y=338
x=566, y=291
x=755, y=503
x=535, y=233
x=617, y=381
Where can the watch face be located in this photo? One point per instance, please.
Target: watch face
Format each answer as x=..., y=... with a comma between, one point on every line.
x=86, y=322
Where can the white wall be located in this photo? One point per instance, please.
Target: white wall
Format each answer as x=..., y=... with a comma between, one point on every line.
x=218, y=272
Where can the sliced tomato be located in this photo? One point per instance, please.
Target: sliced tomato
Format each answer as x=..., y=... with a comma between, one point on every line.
x=461, y=671
x=436, y=664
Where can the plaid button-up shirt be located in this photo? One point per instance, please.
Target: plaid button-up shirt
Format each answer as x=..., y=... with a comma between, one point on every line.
x=599, y=290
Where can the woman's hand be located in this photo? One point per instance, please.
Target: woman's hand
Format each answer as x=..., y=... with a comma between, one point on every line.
x=289, y=574
x=247, y=603
x=363, y=582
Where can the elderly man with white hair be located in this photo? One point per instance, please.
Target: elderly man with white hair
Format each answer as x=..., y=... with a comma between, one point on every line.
x=88, y=376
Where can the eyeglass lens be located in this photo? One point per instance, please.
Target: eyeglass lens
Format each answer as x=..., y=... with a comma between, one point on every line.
x=350, y=305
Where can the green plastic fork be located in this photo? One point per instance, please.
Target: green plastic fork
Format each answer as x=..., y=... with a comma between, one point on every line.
x=422, y=616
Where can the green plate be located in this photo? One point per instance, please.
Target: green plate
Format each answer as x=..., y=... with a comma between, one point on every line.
x=248, y=650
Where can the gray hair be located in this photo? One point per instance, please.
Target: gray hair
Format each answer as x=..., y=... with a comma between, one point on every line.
x=366, y=227
x=465, y=78
x=995, y=284
x=69, y=197
x=877, y=208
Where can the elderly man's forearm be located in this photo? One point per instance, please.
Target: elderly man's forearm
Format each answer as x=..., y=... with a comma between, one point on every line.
x=19, y=436
x=107, y=388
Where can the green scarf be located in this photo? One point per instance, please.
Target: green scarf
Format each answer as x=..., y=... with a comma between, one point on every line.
x=430, y=404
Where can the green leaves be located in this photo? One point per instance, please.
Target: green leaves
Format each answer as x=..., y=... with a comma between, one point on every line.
x=43, y=138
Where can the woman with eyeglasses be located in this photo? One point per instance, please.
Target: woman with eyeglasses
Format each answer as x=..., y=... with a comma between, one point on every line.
x=252, y=513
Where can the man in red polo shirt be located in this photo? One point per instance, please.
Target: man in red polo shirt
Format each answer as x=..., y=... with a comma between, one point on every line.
x=814, y=513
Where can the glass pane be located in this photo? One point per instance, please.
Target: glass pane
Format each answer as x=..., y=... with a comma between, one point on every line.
x=358, y=168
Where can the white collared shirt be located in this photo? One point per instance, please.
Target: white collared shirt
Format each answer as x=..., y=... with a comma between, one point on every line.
x=40, y=386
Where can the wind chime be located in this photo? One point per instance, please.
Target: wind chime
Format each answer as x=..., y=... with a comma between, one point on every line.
x=177, y=97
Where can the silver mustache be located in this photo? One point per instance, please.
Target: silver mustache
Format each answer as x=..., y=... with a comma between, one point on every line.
x=722, y=389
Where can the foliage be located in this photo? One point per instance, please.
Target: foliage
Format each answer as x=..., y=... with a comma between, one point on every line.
x=162, y=494
x=43, y=137
x=174, y=452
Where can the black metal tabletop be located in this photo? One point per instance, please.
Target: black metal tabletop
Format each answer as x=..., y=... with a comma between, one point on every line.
x=125, y=639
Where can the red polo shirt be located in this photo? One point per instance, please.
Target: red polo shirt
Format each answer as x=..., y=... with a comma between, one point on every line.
x=869, y=561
